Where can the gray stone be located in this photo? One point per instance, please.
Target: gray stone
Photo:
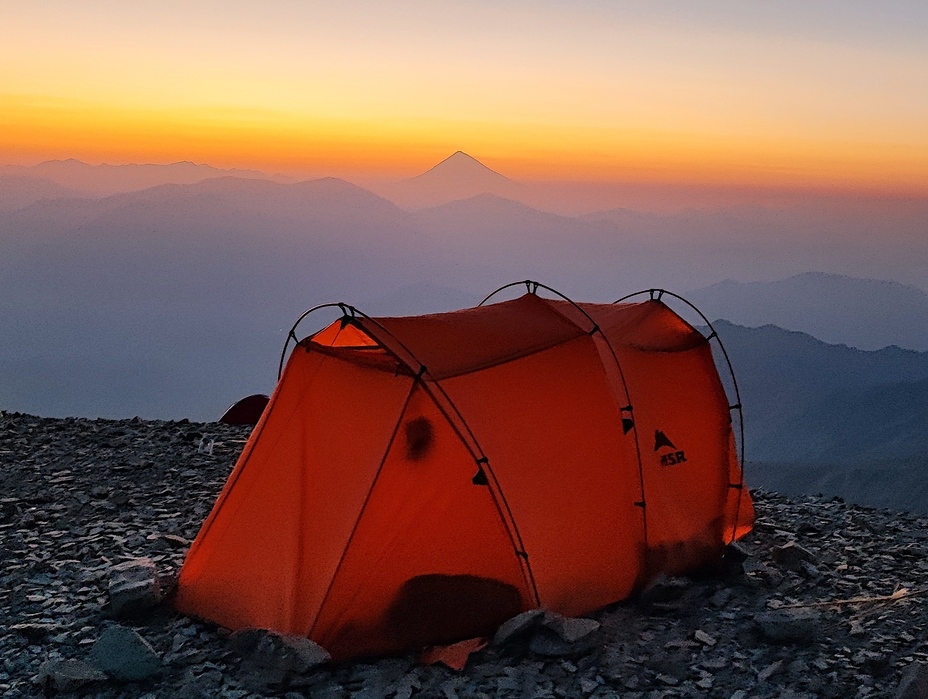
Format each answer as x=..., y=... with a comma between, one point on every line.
x=721, y=598
x=200, y=685
x=68, y=675
x=914, y=683
x=569, y=629
x=124, y=655
x=518, y=626
x=133, y=587
x=769, y=671
x=550, y=645
x=34, y=632
x=269, y=657
x=788, y=626
x=791, y=555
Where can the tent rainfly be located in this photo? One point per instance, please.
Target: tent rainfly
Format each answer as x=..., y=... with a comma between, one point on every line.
x=416, y=481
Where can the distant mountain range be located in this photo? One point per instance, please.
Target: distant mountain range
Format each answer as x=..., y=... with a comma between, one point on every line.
x=806, y=401
x=863, y=313
x=832, y=420
x=896, y=484
x=173, y=301
x=19, y=191
x=101, y=180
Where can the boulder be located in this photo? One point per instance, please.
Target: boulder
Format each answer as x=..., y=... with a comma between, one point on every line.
x=519, y=626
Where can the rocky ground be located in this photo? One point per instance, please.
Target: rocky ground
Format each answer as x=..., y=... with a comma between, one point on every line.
x=80, y=497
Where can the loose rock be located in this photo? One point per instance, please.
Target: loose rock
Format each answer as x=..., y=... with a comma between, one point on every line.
x=68, y=675
x=519, y=626
x=914, y=684
x=124, y=655
x=569, y=629
x=133, y=587
x=269, y=657
x=788, y=626
x=791, y=555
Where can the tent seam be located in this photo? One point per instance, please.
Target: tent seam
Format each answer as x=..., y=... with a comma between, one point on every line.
x=597, y=330
x=473, y=446
x=357, y=522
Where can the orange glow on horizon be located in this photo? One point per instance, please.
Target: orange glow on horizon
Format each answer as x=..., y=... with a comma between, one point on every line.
x=35, y=129
x=725, y=94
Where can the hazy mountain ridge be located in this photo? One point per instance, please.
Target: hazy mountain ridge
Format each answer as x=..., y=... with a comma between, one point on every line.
x=865, y=313
x=174, y=300
x=20, y=191
x=812, y=402
x=897, y=484
x=213, y=273
x=837, y=235
x=109, y=179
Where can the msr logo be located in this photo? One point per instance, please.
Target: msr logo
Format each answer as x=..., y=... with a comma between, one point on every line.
x=662, y=441
x=677, y=457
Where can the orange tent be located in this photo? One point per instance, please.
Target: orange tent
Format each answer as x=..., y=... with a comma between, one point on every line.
x=415, y=481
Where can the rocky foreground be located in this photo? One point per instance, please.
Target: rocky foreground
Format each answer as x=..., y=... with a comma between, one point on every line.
x=830, y=603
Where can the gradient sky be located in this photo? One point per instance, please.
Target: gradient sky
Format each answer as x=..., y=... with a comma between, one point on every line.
x=830, y=93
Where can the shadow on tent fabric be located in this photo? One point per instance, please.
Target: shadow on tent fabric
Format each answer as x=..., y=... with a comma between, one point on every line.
x=435, y=610
x=440, y=609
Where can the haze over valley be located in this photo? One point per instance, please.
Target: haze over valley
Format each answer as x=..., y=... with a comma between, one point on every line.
x=173, y=300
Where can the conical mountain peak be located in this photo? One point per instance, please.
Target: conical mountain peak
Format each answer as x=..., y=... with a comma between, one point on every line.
x=460, y=165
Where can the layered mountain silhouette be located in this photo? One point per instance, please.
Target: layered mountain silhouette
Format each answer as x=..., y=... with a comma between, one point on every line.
x=864, y=313
x=807, y=401
x=109, y=179
x=174, y=301
x=19, y=191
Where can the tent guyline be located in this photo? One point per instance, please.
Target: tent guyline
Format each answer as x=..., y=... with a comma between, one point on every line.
x=367, y=513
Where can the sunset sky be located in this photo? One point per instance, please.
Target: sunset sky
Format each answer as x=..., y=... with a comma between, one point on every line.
x=831, y=93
